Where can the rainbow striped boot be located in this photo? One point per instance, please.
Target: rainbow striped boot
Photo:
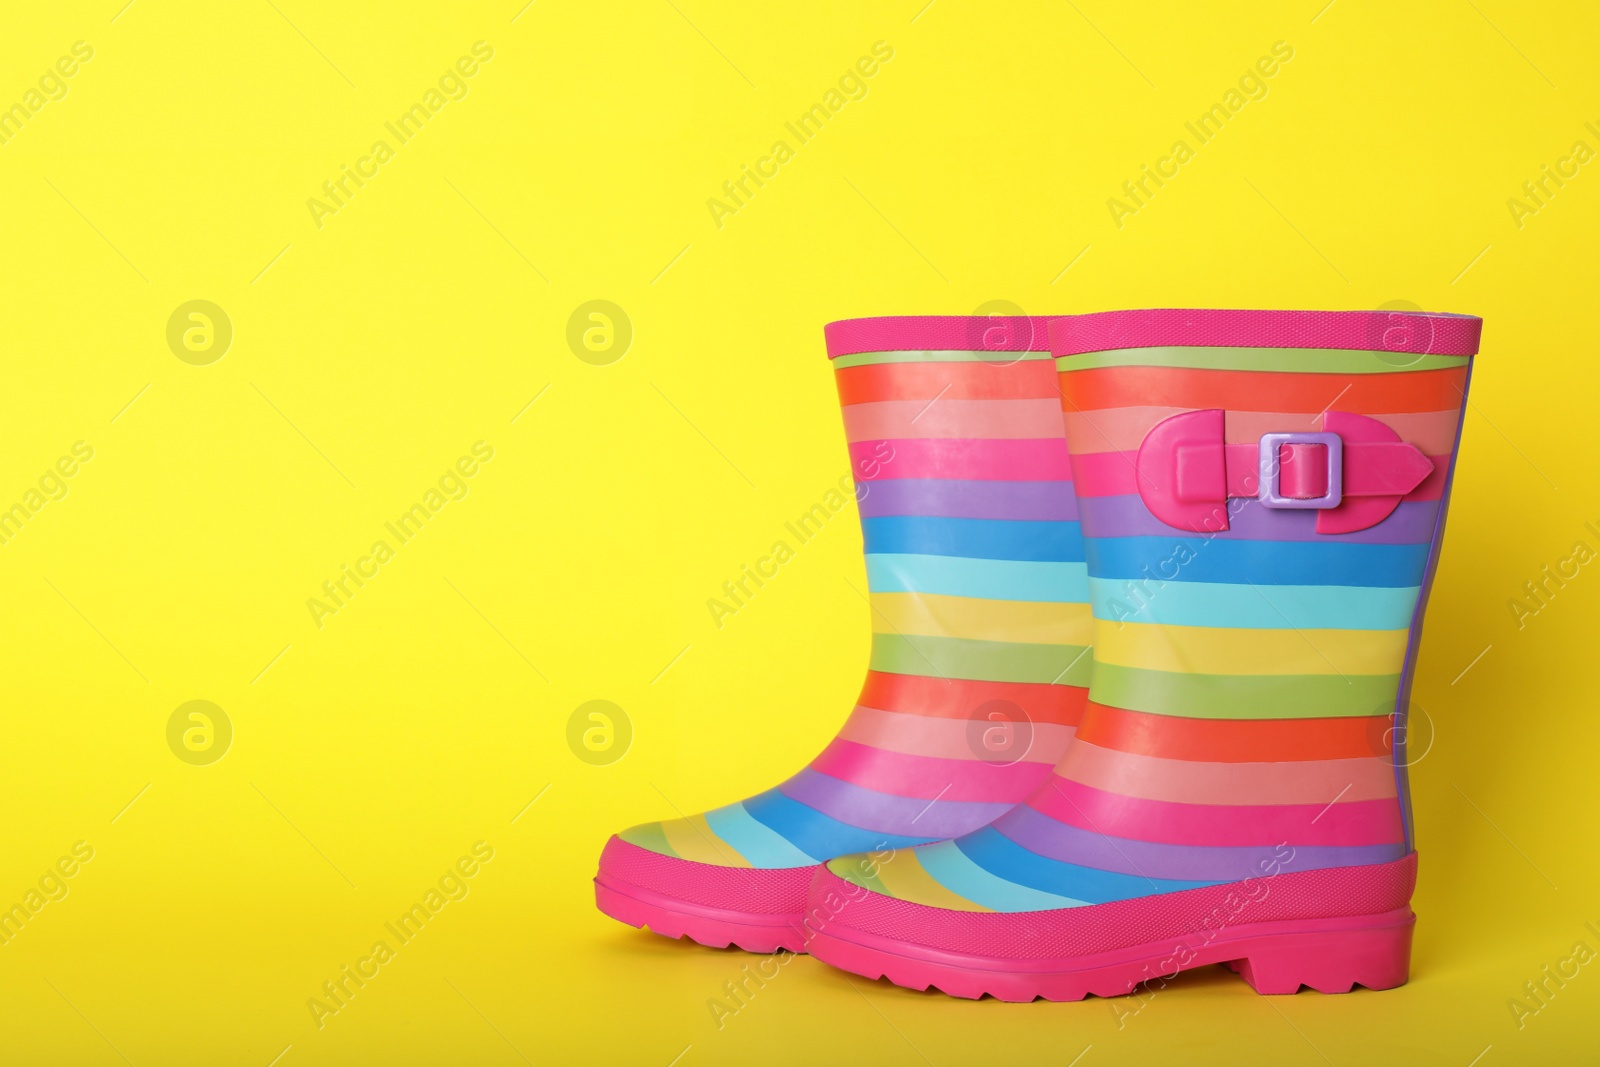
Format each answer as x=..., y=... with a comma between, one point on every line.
x=1262, y=496
x=979, y=647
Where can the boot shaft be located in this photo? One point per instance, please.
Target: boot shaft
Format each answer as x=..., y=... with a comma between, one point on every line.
x=974, y=557
x=1262, y=496
x=975, y=573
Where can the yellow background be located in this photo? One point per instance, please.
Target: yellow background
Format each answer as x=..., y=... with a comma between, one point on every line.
x=369, y=354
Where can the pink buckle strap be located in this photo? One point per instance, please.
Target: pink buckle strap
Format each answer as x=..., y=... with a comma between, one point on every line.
x=1355, y=472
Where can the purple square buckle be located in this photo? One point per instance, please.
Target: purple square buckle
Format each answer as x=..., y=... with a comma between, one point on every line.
x=1271, y=467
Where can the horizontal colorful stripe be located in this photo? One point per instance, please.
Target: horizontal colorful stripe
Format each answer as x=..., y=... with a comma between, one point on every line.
x=1027, y=380
x=953, y=869
x=1252, y=607
x=816, y=833
x=927, y=777
x=1196, y=559
x=1366, y=394
x=995, y=579
x=961, y=419
x=1299, y=360
x=754, y=840
x=1039, y=833
x=1024, y=621
x=992, y=850
x=956, y=698
x=1243, y=696
x=991, y=459
x=997, y=661
x=1330, y=822
x=1236, y=740
x=1225, y=650
x=902, y=873
x=920, y=735
x=1126, y=516
x=650, y=835
x=693, y=839
x=867, y=872
x=1045, y=542
x=841, y=807
x=957, y=498
x=1197, y=782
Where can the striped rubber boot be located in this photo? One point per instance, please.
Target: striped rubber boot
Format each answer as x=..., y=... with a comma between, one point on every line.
x=1262, y=497
x=980, y=626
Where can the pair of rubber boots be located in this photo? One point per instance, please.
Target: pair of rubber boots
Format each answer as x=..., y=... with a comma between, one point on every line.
x=1145, y=616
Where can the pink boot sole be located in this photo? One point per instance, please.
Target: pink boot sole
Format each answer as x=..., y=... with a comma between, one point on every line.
x=757, y=910
x=1330, y=929
x=713, y=927
x=1329, y=955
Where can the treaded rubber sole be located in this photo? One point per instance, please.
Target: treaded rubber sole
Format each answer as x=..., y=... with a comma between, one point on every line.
x=712, y=927
x=1329, y=955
